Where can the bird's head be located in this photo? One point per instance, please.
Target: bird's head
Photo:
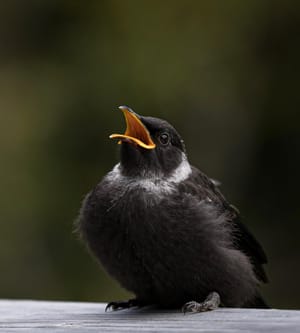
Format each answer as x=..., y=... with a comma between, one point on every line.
x=149, y=147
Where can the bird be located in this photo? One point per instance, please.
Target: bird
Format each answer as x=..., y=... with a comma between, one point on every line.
x=163, y=229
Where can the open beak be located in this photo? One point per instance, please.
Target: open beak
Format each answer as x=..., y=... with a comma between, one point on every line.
x=136, y=132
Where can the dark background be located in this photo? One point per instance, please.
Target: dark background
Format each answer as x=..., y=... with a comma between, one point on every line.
x=225, y=74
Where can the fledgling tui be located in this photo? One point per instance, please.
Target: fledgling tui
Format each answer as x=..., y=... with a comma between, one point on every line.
x=163, y=229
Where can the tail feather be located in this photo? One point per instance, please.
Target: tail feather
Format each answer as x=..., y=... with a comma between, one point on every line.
x=257, y=302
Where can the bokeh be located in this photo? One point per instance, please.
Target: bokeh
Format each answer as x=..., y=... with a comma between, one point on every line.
x=224, y=73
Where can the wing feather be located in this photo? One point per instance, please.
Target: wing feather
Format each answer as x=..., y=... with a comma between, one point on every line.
x=204, y=188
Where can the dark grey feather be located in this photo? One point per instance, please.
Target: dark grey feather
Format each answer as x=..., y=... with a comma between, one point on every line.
x=164, y=230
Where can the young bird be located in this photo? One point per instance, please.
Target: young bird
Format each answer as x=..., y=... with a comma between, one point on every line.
x=163, y=229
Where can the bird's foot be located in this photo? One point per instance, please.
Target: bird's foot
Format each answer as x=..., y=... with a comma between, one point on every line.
x=120, y=305
x=211, y=302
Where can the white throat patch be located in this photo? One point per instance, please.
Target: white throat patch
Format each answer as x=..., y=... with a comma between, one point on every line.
x=182, y=172
x=154, y=184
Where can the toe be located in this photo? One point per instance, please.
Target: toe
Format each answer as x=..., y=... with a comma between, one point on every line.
x=119, y=305
x=111, y=306
x=190, y=307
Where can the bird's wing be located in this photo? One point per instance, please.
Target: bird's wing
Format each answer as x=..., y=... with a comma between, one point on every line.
x=246, y=242
x=205, y=189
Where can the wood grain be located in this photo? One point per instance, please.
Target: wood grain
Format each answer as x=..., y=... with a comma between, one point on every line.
x=41, y=316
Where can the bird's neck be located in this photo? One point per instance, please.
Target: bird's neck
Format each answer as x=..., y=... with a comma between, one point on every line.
x=177, y=175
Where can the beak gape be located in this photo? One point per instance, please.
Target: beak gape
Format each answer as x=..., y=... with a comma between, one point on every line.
x=136, y=131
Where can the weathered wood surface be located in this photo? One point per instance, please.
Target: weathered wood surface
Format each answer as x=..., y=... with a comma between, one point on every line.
x=40, y=316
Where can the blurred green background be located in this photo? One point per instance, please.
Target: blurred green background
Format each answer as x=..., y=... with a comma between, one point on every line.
x=225, y=74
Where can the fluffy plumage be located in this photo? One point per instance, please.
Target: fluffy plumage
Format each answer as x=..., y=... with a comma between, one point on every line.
x=163, y=229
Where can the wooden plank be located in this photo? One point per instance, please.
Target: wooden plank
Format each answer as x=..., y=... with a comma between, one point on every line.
x=35, y=316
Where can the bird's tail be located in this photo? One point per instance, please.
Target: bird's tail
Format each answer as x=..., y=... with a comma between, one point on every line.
x=257, y=302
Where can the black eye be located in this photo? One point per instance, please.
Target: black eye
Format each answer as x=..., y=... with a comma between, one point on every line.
x=164, y=138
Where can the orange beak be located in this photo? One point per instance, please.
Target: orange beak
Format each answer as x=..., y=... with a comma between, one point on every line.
x=135, y=131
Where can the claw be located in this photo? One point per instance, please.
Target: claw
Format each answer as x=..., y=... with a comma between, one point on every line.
x=211, y=302
x=190, y=307
x=111, y=306
x=120, y=305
